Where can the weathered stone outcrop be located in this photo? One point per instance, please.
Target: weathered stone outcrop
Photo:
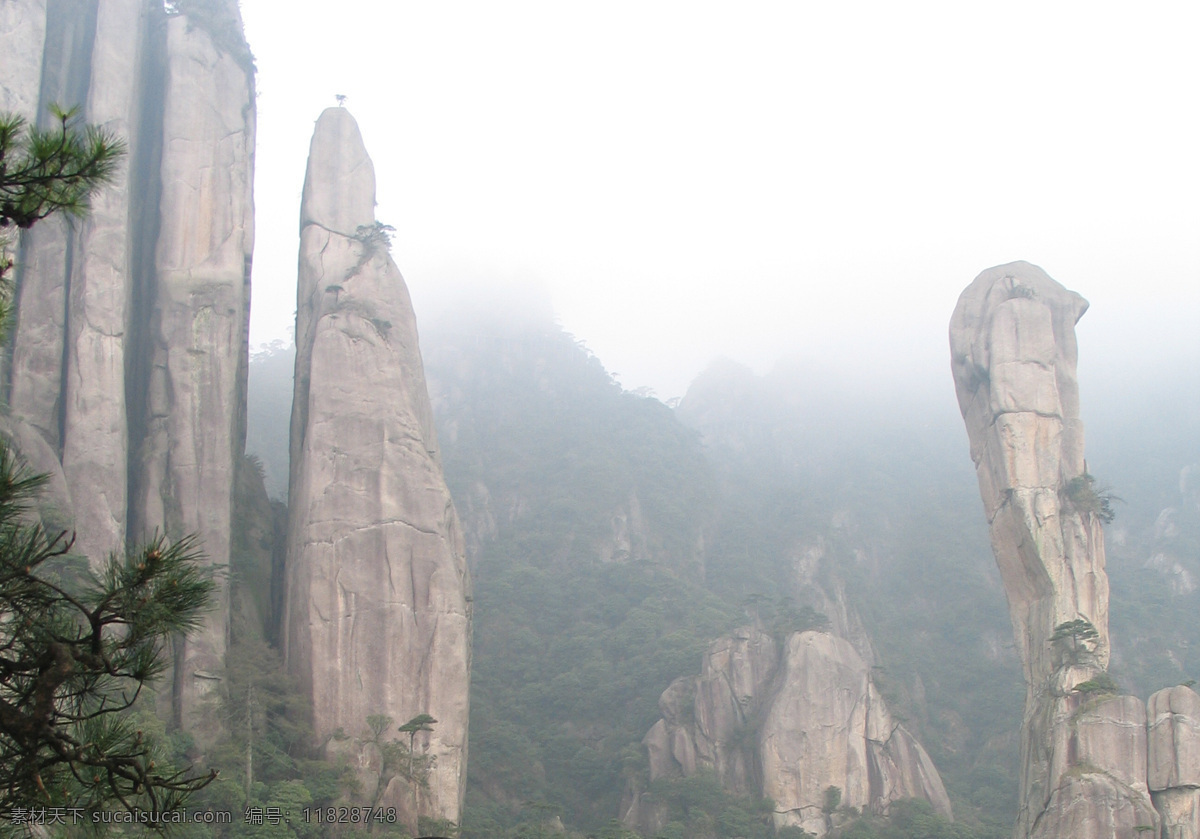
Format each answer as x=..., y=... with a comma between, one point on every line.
x=378, y=621
x=57, y=35
x=1173, y=717
x=95, y=438
x=1087, y=803
x=1013, y=355
x=198, y=343
x=825, y=594
x=787, y=723
x=22, y=36
x=828, y=726
x=129, y=344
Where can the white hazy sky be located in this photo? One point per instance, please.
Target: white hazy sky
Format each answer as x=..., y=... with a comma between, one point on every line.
x=688, y=179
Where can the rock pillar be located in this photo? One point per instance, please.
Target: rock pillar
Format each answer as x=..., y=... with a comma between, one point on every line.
x=1173, y=718
x=1013, y=355
x=377, y=619
x=129, y=347
x=198, y=341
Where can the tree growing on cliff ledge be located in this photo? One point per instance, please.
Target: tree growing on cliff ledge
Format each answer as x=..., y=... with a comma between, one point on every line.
x=1088, y=497
x=1078, y=639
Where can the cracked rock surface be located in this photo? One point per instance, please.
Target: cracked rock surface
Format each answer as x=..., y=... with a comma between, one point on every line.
x=129, y=347
x=377, y=615
x=1173, y=720
x=1083, y=750
x=787, y=721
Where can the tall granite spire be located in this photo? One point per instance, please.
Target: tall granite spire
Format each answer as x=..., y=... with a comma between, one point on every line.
x=1083, y=751
x=377, y=616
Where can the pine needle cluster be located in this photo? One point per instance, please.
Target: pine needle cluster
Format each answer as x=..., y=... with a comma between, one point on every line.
x=45, y=170
x=76, y=652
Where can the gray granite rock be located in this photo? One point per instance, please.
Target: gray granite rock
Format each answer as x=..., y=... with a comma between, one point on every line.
x=22, y=38
x=1173, y=716
x=197, y=346
x=787, y=724
x=1013, y=356
x=95, y=438
x=378, y=617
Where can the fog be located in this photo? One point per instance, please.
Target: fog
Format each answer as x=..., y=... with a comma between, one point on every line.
x=812, y=181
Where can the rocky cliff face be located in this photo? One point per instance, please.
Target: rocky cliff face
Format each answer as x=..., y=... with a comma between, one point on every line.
x=377, y=613
x=1013, y=355
x=129, y=348
x=198, y=339
x=22, y=37
x=787, y=721
x=1173, y=717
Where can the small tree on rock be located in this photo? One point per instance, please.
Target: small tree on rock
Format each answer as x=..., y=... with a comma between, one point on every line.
x=1077, y=637
x=419, y=723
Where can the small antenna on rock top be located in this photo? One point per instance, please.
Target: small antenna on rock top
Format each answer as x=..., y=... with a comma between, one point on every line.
x=341, y=99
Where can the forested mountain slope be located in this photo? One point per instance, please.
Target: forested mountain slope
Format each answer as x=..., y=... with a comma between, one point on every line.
x=613, y=539
x=612, y=544
x=585, y=510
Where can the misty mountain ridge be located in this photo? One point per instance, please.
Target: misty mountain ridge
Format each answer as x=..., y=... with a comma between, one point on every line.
x=546, y=458
x=766, y=609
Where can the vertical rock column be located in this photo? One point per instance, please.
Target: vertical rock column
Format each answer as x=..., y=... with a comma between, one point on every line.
x=22, y=39
x=95, y=438
x=1013, y=355
x=198, y=342
x=1173, y=716
x=377, y=619
x=63, y=32
x=129, y=349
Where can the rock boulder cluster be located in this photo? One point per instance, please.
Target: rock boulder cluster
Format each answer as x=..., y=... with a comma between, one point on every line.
x=786, y=719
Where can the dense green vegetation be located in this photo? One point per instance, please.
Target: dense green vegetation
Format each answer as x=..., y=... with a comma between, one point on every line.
x=611, y=543
x=572, y=651
x=589, y=595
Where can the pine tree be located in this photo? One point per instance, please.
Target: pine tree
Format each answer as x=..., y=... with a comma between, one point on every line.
x=76, y=651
